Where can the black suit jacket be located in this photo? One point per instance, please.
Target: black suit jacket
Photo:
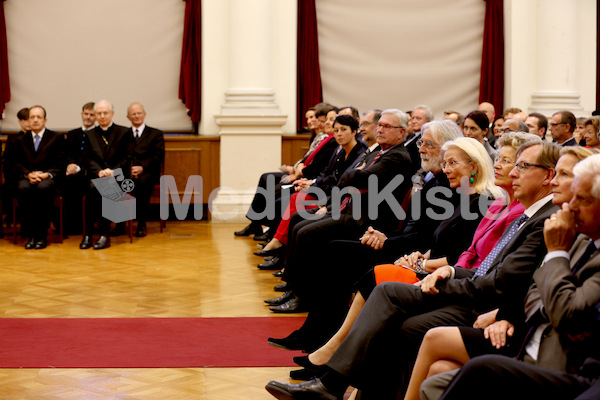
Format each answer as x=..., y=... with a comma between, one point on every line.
x=509, y=277
x=149, y=152
x=48, y=158
x=75, y=143
x=394, y=162
x=115, y=153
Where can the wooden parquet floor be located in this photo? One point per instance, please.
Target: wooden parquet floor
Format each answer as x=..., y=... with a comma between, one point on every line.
x=192, y=269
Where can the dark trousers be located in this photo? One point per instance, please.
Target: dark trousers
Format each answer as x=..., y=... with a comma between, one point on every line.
x=377, y=354
x=73, y=190
x=500, y=377
x=142, y=191
x=35, y=202
x=93, y=213
x=260, y=204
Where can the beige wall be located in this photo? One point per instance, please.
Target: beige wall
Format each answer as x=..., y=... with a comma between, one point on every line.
x=64, y=53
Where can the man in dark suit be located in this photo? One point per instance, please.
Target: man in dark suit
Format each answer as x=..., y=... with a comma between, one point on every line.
x=36, y=159
x=108, y=147
x=308, y=240
x=386, y=335
x=148, y=157
x=420, y=115
x=561, y=309
x=562, y=125
x=335, y=281
x=76, y=181
x=10, y=178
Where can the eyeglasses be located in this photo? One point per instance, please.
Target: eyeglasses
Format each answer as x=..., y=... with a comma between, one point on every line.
x=452, y=164
x=503, y=161
x=366, y=123
x=386, y=127
x=522, y=166
x=553, y=124
x=426, y=144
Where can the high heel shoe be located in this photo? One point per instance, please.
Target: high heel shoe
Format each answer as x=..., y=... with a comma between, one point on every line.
x=305, y=363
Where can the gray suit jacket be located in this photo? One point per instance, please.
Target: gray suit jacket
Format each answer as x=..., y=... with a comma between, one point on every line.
x=568, y=306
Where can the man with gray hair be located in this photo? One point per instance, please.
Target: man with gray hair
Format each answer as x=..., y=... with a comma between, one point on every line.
x=352, y=214
x=351, y=259
x=108, y=147
x=420, y=115
x=514, y=125
x=386, y=335
x=561, y=309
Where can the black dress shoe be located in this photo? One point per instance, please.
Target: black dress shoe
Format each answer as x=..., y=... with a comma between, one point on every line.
x=293, y=305
x=305, y=363
x=272, y=252
x=263, y=237
x=274, y=263
x=281, y=299
x=141, y=232
x=303, y=374
x=252, y=229
x=313, y=389
x=288, y=343
x=41, y=244
x=283, y=287
x=30, y=244
x=86, y=242
x=278, y=274
x=102, y=243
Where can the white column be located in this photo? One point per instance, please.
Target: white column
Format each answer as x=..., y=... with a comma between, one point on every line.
x=250, y=120
x=557, y=57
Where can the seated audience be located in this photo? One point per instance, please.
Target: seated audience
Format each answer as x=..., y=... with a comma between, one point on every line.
x=349, y=216
x=76, y=182
x=514, y=125
x=379, y=349
x=537, y=124
x=562, y=126
x=497, y=128
x=433, y=359
x=592, y=129
x=579, y=132
x=345, y=128
x=146, y=164
x=501, y=213
x=258, y=213
x=476, y=126
x=36, y=158
x=350, y=259
x=108, y=146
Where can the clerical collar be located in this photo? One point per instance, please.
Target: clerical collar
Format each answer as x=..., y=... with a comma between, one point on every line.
x=107, y=128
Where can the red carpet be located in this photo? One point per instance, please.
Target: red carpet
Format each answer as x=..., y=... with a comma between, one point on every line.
x=144, y=342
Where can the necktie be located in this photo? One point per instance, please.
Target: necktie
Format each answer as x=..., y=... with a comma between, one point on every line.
x=487, y=262
x=585, y=257
x=137, y=134
x=348, y=198
x=36, y=142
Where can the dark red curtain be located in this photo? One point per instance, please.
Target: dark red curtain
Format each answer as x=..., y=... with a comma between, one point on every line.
x=4, y=80
x=191, y=61
x=309, y=89
x=491, y=86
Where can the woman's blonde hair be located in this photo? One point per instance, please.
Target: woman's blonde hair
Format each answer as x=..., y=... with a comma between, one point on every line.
x=484, y=178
